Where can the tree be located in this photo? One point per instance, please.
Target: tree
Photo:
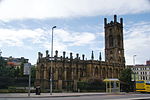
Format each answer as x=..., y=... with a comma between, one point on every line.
x=6, y=74
x=6, y=71
x=125, y=78
x=2, y=62
x=33, y=72
x=92, y=84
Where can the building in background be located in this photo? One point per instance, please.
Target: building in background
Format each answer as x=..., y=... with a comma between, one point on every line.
x=148, y=62
x=142, y=72
x=15, y=62
x=67, y=71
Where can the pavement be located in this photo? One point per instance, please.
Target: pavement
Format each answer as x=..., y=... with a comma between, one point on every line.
x=103, y=96
x=47, y=95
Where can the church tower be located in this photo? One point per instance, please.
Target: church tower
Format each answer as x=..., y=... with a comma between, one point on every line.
x=114, y=48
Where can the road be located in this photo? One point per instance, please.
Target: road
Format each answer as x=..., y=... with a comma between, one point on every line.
x=102, y=97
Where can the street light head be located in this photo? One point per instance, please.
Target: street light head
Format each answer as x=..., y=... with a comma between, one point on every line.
x=54, y=26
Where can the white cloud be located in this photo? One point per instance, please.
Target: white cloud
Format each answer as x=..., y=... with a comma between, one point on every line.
x=13, y=37
x=20, y=9
x=62, y=39
x=74, y=38
x=137, y=39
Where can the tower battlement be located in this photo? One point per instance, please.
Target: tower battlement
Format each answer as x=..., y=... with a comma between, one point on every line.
x=113, y=22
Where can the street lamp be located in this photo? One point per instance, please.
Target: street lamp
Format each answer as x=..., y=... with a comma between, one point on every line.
x=134, y=73
x=134, y=60
x=51, y=72
x=0, y=53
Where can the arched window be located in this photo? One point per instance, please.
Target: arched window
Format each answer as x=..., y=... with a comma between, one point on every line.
x=59, y=73
x=42, y=71
x=111, y=52
x=110, y=40
x=111, y=59
x=119, y=40
x=119, y=59
x=96, y=71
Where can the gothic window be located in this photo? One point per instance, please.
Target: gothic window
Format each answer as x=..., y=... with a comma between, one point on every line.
x=96, y=70
x=119, y=59
x=111, y=52
x=82, y=73
x=42, y=72
x=119, y=40
x=110, y=40
x=60, y=73
x=110, y=31
x=111, y=58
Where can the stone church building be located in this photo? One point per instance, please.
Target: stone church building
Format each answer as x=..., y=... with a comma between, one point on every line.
x=67, y=71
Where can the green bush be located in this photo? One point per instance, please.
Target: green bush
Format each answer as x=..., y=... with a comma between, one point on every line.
x=92, y=85
x=4, y=91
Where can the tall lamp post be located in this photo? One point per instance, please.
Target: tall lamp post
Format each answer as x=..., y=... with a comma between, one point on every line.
x=0, y=53
x=51, y=71
x=134, y=59
x=134, y=73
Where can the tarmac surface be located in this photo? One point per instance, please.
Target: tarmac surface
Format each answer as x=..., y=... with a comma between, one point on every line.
x=46, y=95
x=75, y=96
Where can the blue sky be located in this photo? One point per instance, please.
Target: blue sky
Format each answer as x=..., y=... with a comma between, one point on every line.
x=25, y=27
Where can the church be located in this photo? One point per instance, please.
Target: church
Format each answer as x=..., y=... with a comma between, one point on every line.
x=68, y=71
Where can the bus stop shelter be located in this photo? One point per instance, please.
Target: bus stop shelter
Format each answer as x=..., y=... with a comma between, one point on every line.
x=112, y=85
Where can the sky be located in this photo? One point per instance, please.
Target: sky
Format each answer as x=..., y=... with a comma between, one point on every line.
x=26, y=27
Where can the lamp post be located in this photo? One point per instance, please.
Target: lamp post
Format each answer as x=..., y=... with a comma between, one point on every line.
x=0, y=53
x=134, y=73
x=51, y=72
x=134, y=60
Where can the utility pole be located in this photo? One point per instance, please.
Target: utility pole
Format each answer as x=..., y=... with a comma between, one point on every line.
x=0, y=53
x=29, y=80
x=51, y=71
x=134, y=73
x=134, y=59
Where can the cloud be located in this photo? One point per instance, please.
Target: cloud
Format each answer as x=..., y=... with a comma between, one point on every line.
x=74, y=38
x=37, y=9
x=63, y=39
x=12, y=37
x=137, y=39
